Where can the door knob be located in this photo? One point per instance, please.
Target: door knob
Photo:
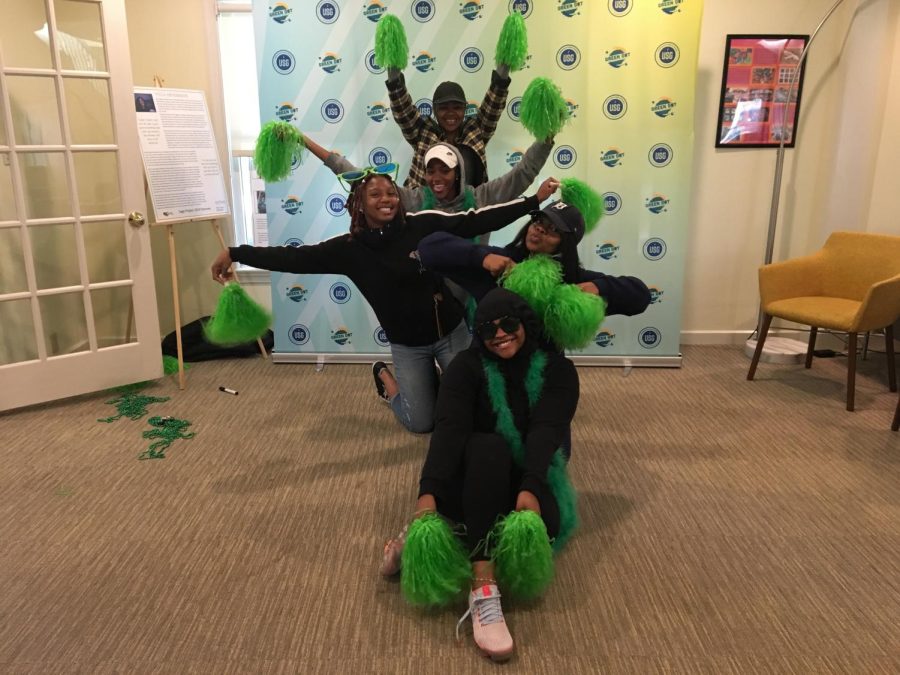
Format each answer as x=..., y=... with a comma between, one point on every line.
x=136, y=219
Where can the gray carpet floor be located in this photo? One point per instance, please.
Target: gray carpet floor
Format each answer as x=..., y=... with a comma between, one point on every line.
x=727, y=527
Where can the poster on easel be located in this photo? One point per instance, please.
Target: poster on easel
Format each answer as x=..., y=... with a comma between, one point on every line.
x=181, y=160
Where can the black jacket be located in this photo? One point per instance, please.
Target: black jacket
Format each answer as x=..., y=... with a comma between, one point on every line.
x=412, y=304
x=461, y=261
x=464, y=406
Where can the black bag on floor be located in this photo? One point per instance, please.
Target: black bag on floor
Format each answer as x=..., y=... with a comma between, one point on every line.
x=195, y=347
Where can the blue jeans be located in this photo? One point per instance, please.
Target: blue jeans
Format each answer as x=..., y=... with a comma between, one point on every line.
x=417, y=380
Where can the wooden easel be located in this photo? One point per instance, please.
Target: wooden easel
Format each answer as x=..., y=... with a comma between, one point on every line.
x=173, y=265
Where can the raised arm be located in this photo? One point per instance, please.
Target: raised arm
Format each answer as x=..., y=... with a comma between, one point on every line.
x=406, y=115
x=493, y=104
x=515, y=181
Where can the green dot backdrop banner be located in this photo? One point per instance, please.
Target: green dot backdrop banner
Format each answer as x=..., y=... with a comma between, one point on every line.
x=627, y=69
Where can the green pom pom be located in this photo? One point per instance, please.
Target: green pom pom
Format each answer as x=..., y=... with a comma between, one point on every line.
x=391, y=50
x=584, y=198
x=238, y=318
x=512, y=45
x=566, y=499
x=523, y=555
x=170, y=365
x=535, y=279
x=573, y=317
x=276, y=146
x=435, y=569
x=543, y=110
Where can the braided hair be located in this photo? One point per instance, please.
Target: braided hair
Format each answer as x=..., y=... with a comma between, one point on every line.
x=356, y=199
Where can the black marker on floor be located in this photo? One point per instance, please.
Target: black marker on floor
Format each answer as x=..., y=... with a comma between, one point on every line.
x=233, y=392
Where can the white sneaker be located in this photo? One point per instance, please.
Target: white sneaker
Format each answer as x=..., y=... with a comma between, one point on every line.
x=488, y=625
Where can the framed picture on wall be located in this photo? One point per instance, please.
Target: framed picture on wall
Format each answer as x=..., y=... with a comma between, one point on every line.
x=762, y=80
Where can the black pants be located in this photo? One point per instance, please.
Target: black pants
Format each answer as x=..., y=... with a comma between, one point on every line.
x=486, y=486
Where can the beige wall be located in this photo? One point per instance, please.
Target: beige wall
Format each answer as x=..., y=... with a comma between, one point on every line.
x=840, y=176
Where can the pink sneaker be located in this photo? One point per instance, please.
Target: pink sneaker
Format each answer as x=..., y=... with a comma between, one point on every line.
x=488, y=625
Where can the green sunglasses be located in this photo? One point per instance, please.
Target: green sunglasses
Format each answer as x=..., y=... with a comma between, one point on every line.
x=348, y=178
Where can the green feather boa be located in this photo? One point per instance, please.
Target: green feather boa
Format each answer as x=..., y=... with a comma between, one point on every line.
x=557, y=474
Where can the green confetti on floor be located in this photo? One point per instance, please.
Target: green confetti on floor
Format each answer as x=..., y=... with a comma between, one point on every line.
x=168, y=430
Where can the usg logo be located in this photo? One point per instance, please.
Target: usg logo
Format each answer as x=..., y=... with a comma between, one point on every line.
x=293, y=242
x=663, y=107
x=471, y=109
x=619, y=7
x=376, y=112
x=379, y=156
x=296, y=293
x=339, y=292
x=612, y=157
x=660, y=155
x=649, y=338
x=330, y=62
x=373, y=10
x=655, y=295
x=371, y=64
x=470, y=59
x=605, y=338
x=422, y=10
x=298, y=334
x=423, y=62
x=612, y=203
x=342, y=336
x=617, y=57
x=295, y=162
x=615, y=107
x=425, y=108
x=569, y=8
x=283, y=62
x=471, y=10
x=332, y=111
x=291, y=205
x=523, y=7
x=657, y=203
x=670, y=6
x=667, y=54
x=512, y=108
x=280, y=12
x=514, y=157
x=654, y=249
x=327, y=11
x=565, y=157
x=571, y=107
x=335, y=204
x=568, y=57
x=608, y=250
x=381, y=338
x=286, y=112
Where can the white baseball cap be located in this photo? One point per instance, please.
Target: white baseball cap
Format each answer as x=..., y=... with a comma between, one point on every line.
x=443, y=153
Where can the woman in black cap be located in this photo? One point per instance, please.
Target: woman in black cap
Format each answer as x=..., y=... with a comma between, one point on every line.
x=555, y=230
x=503, y=409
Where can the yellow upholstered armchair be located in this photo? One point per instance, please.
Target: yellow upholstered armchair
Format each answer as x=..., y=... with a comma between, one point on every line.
x=851, y=285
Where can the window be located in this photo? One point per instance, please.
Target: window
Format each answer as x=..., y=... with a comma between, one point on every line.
x=241, y=95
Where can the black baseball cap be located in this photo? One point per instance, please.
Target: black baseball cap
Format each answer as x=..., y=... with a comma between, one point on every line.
x=565, y=218
x=448, y=92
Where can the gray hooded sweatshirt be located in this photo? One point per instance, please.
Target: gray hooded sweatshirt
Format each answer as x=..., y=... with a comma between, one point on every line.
x=503, y=189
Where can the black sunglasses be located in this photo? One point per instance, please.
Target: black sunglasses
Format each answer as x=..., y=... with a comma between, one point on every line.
x=509, y=324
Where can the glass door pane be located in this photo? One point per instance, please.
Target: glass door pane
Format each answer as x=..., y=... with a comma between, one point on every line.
x=23, y=34
x=65, y=329
x=106, y=255
x=7, y=200
x=46, y=186
x=87, y=102
x=97, y=178
x=17, y=340
x=55, y=257
x=35, y=113
x=80, y=36
x=12, y=261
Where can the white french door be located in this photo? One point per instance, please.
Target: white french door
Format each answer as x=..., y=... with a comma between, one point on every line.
x=77, y=301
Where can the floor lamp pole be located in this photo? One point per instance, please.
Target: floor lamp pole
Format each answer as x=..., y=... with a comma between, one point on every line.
x=779, y=158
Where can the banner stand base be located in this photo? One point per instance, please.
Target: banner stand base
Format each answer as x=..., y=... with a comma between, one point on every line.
x=609, y=361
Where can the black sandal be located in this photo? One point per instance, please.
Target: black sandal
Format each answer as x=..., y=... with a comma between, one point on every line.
x=377, y=367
